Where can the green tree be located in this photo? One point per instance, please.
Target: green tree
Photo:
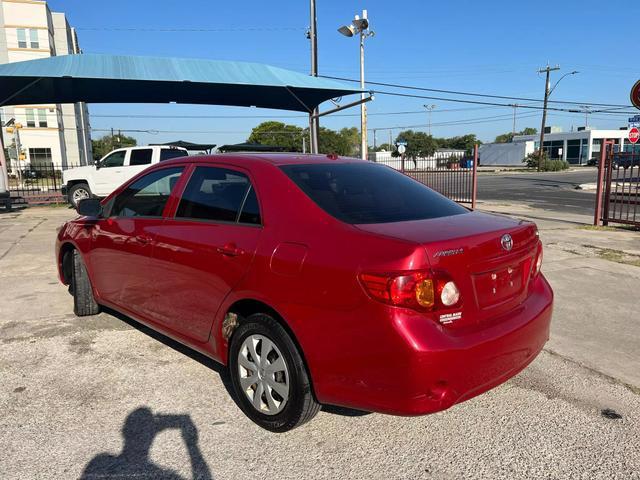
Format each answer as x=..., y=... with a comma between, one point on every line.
x=352, y=139
x=508, y=137
x=106, y=144
x=330, y=141
x=278, y=134
x=464, y=142
x=419, y=144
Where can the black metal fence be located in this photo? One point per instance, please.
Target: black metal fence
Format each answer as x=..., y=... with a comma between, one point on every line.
x=35, y=184
x=621, y=203
x=452, y=175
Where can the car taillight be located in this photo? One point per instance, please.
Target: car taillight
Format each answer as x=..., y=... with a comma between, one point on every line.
x=421, y=290
x=538, y=265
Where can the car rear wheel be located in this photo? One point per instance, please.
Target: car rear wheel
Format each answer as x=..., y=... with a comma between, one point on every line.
x=84, y=303
x=269, y=377
x=78, y=192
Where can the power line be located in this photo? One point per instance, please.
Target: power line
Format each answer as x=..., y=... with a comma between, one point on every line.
x=457, y=92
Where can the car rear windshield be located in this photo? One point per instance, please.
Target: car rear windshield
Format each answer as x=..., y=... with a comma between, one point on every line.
x=369, y=193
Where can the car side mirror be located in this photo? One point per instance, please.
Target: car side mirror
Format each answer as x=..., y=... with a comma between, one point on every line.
x=89, y=207
x=97, y=165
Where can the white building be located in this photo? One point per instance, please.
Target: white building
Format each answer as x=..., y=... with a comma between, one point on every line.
x=577, y=148
x=52, y=134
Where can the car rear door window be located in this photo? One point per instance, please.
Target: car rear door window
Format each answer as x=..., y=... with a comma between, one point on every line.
x=147, y=196
x=218, y=194
x=141, y=156
x=369, y=193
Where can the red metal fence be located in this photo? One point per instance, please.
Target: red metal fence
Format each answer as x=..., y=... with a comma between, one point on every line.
x=618, y=196
x=452, y=175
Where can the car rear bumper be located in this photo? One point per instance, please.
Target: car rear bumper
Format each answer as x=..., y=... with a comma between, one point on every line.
x=437, y=369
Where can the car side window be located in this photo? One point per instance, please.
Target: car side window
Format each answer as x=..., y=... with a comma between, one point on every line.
x=141, y=156
x=147, y=196
x=116, y=159
x=216, y=194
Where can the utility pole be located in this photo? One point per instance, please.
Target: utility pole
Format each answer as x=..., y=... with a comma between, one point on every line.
x=513, y=129
x=314, y=120
x=547, y=91
x=586, y=115
x=429, y=109
x=374, y=139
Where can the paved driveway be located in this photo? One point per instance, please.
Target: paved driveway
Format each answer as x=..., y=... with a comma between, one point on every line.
x=79, y=395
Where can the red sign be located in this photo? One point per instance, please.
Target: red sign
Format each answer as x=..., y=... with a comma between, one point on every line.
x=634, y=135
x=635, y=94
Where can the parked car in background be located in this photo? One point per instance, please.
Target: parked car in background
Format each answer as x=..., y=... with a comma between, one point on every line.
x=316, y=280
x=5, y=196
x=113, y=170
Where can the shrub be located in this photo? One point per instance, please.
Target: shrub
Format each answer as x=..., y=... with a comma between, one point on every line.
x=546, y=165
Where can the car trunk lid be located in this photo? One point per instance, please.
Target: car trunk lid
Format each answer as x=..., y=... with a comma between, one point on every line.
x=489, y=257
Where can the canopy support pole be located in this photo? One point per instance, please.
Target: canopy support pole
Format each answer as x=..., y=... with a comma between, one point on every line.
x=343, y=107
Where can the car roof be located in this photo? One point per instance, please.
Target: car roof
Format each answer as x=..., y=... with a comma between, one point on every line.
x=276, y=159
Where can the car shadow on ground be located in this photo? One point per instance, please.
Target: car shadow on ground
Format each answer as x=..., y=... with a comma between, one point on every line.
x=139, y=431
x=212, y=364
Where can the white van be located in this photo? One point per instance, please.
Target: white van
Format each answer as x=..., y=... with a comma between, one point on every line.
x=113, y=170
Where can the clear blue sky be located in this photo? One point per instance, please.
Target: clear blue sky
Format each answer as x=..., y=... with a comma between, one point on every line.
x=488, y=47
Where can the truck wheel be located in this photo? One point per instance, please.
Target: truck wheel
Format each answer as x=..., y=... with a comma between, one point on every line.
x=78, y=192
x=84, y=303
x=268, y=376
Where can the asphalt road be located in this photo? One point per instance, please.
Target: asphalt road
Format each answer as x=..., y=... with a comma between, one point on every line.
x=551, y=191
x=80, y=396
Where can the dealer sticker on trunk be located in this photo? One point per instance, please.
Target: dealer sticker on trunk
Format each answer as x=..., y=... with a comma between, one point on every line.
x=447, y=318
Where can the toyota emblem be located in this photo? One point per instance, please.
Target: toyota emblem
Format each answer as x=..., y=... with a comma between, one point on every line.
x=507, y=242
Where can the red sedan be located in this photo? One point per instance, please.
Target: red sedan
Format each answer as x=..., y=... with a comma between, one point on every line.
x=316, y=281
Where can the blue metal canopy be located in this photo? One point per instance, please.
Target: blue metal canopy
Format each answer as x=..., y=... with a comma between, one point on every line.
x=127, y=79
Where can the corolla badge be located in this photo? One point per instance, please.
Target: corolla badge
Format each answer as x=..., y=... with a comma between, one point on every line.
x=507, y=242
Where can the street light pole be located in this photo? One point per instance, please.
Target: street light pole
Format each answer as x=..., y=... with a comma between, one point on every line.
x=363, y=106
x=547, y=92
x=314, y=120
x=361, y=27
x=429, y=109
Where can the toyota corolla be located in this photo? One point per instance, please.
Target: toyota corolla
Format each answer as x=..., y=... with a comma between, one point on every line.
x=316, y=280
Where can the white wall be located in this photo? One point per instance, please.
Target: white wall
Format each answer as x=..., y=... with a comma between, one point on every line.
x=504, y=154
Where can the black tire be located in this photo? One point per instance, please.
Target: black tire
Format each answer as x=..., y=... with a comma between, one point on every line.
x=301, y=405
x=84, y=303
x=74, y=190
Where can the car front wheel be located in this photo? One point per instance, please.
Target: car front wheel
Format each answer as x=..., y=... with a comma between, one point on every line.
x=269, y=377
x=84, y=303
x=78, y=192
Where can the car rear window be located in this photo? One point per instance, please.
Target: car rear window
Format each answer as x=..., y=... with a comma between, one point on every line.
x=369, y=193
x=169, y=153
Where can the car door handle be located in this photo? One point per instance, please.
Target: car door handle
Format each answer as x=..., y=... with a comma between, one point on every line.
x=142, y=239
x=230, y=250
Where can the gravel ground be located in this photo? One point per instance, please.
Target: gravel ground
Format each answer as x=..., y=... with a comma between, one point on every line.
x=77, y=395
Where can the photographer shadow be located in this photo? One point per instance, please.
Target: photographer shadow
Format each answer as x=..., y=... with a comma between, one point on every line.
x=139, y=430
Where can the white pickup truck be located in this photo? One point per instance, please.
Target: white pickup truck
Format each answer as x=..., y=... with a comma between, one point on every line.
x=113, y=170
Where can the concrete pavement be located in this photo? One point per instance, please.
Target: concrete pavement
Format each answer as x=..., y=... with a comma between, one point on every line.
x=77, y=394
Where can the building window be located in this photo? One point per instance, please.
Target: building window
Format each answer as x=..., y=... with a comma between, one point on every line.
x=31, y=117
x=33, y=38
x=34, y=42
x=42, y=118
x=40, y=157
x=22, y=38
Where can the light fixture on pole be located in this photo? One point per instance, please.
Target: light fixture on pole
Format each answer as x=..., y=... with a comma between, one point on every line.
x=360, y=25
x=430, y=109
